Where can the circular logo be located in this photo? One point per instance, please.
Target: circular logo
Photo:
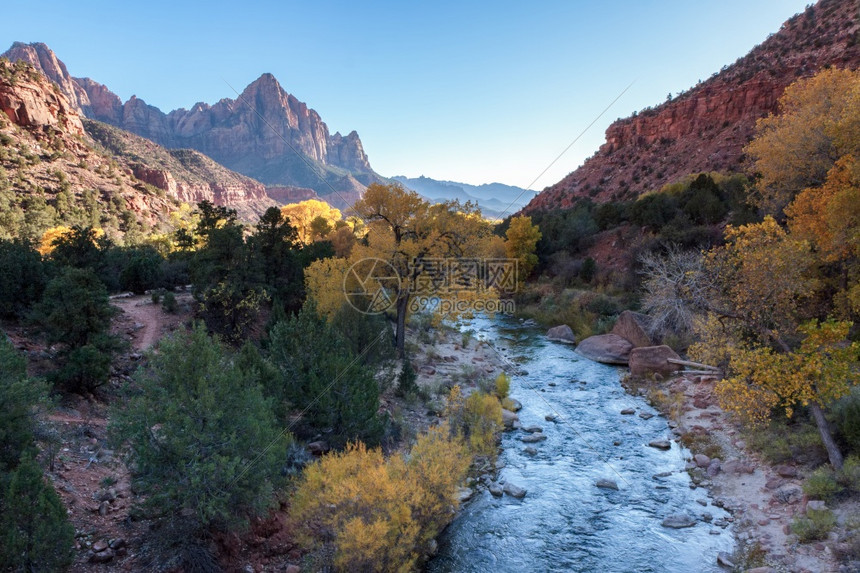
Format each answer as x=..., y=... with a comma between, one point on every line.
x=371, y=286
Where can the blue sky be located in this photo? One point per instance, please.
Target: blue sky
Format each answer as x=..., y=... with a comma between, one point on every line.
x=472, y=91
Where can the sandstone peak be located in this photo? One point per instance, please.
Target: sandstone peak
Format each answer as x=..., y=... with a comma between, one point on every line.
x=258, y=134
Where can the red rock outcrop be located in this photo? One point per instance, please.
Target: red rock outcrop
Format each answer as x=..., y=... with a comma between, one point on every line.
x=30, y=103
x=286, y=195
x=706, y=128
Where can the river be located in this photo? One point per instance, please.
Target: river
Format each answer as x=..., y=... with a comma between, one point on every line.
x=566, y=523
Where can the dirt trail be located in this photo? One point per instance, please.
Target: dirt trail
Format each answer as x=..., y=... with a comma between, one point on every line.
x=146, y=322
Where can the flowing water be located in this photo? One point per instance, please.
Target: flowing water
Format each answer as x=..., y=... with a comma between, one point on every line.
x=565, y=523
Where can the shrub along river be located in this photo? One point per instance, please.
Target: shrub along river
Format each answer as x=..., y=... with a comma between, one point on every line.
x=565, y=522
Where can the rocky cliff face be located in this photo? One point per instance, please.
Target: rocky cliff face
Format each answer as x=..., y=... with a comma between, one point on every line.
x=706, y=128
x=29, y=102
x=57, y=175
x=255, y=134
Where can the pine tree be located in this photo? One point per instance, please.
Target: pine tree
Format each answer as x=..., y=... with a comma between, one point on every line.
x=36, y=533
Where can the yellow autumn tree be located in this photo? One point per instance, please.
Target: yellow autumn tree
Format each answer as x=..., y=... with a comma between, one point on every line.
x=816, y=374
x=522, y=239
x=829, y=218
x=794, y=150
x=50, y=237
x=378, y=514
x=428, y=249
x=313, y=219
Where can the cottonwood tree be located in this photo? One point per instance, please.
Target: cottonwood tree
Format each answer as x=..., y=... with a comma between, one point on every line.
x=408, y=234
x=313, y=219
x=796, y=148
x=522, y=239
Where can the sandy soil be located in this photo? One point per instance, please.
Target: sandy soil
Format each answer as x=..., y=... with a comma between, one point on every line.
x=762, y=499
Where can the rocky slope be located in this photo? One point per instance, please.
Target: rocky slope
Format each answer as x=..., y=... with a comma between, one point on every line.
x=706, y=128
x=183, y=174
x=51, y=173
x=264, y=133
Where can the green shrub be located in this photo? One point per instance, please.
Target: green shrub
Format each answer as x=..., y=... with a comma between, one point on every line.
x=846, y=413
x=169, y=303
x=18, y=396
x=815, y=526
x=156, y=296
x=850, y=474
x=34, y=527
x=503, y=385
x=323, y=380
x=200, y=435
x=406, y=384
x=22, y=277
x=821, y=484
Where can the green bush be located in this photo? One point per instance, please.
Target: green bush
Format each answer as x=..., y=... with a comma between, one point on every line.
x=846, y=413
x=503, y=385
x=201, y=437
x=850, y=474
x=320, y=378
x=34, y=527
x=821, y=484
x=406, y=384
x=169, y=303
x=75, y=312
x=18, y=396
x=815, y=526
x=22, y=277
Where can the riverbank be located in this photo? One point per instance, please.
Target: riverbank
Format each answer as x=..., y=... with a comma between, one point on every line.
x=763, y=499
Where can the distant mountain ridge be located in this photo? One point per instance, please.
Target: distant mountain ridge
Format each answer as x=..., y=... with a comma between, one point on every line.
x=706, y=128
x=257, y=134
x=495, y=199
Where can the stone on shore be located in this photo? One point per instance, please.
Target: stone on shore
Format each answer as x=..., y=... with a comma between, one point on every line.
x=634, y=327
x=606, y=348
x=648, y=360
x=561, y=333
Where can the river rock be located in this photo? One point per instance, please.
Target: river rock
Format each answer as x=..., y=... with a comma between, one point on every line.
x=530, y=451
x=660, y=444
x=714, y=467
x=648, y=360
x=532, y=429
x=634, y=326
x=606, y=348
x=606, y=484
x=550, y=418
x=816, y=505
x=514, y=491
x=628, y=411
x=496, y=490
x=533, y=438
x=508, y=418
x=514, y=405
x=561, y=333
x=789, y=493
x=678, y=521
x=318, y=448
x=702, y=460
x=465, y=494
x=725, y=560
x=786, y=471
x=646, y=415
x=100, y=545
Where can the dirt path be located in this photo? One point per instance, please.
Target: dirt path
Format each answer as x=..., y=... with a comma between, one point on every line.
x=146, y=322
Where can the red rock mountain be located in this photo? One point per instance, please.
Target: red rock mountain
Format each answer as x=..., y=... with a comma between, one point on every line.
x=706, y=128
x=265, y=133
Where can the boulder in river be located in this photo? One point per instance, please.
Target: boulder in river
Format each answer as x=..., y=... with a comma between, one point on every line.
x=606, y=484
x=647, y=360
x=660, y=444
x=533, y=438
x=606, y=348
x=678, y=521
x=634, y=326
x=508, y=418
x=561, y=333
x=514, y=491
